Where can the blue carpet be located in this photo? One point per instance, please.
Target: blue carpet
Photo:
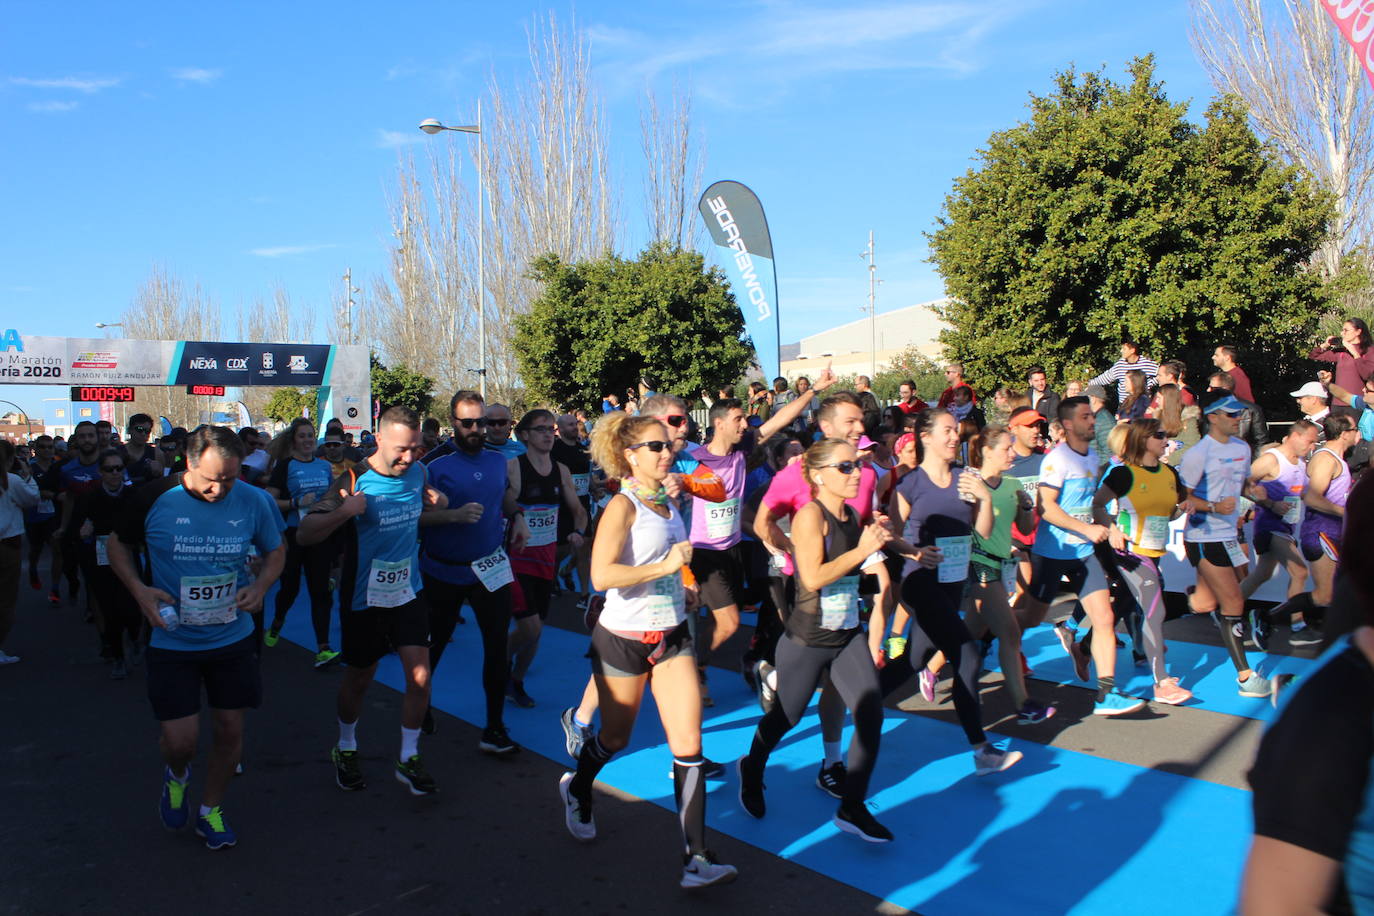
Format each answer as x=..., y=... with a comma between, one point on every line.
x=1123, y=837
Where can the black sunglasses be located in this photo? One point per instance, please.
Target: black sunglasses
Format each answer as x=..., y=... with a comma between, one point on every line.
x=1160, y=434
x=675, y=420
x=115, y=469
x=333, y=445
x=140, y=429
x=470, y=422
x=844, y=467
x=653, y=445
x=498, y=422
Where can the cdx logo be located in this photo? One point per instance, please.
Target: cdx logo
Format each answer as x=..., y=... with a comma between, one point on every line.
x=237, y=363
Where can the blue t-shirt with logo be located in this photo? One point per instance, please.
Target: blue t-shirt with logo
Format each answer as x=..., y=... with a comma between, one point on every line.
x=294, y=479
x=465, y=478
x=1075, y=476
x=197, y=552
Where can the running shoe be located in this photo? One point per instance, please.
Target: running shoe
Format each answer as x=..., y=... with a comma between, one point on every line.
x=1277, y=684
x=515, y=692
x=414, y=776
x=496, y=741
x=1260, y=629
x=750, y=788
x=591, y=611
x=271, y=638
x=118, y=670
x=763, y=673
x=925, y=678
x=1067, y=638
x=574, y=735
x=53, y=597
x=712, y=769
x=1256, y=685
x=1117, y=703
x=1305, y=635
x=35, y=583
x=347, y=772
x=990, y=759
x=217, y=833
x=1081, y=660
x=427, y=726
x=830, y=779
x=1170, y=693
x=894, y=646
x=576, y=814
x=702, y=870
x=1033, y=712
x=860, y=822
x=7, y=659
x=1139, y=658
x=325, y=657
x=172, y=806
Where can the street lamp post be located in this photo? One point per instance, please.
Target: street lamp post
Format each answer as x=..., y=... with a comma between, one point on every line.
x=23, y=413
x=434, y=126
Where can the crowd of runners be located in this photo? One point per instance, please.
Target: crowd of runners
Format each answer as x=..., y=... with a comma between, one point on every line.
x=877, y=548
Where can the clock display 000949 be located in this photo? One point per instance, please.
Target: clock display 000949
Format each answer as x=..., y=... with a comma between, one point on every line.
x=119, y=394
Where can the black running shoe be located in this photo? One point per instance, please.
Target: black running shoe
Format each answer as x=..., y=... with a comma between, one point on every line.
x=750, y=788
x=1260, y=628
x=413, y=775
x=712, y=769
x=427, y=727
x=830, y=780
x=347, y=773
x=860, y=822
x=496, y=741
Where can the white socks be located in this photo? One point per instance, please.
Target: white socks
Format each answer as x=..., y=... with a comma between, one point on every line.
x=410, y=743
x=348, y=739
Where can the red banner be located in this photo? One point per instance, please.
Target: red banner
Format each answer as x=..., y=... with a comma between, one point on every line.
x=1355, y=19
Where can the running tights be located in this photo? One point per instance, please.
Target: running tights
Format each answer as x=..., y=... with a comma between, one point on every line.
x=493, y=612
x=935, y=610
x=800, y=670
x=1141, y=575
x=313, y=562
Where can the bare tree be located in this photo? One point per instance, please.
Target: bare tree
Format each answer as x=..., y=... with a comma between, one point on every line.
x=674, y=165
x=1307, y=96
x=166, y=309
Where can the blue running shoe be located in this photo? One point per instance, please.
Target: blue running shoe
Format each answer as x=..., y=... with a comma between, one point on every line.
x=1117, y=703
x=172, y=805
x=215, y=829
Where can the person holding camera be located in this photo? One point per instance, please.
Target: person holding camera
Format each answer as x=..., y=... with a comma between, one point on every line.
x=1351, y=353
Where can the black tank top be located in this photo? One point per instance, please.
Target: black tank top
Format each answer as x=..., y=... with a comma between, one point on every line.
x=829, y=618
x=538, y=489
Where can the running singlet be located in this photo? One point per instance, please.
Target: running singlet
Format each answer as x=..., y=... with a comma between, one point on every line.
x=1074, y=475
x=788, y=492
x=579, y=465
x=1145, y=502
x=1215, y=471
x=45, y=508
x=1285, y=491
x=381, y=560
x=829, y=618
x=1005, y=504
x=715, y=526
x=939, y=518
x=659, y=604
x=196, y=551
x=540, y=495
x=75, y=478
x=1025, y=471
x=449, y=550
x=294, y=479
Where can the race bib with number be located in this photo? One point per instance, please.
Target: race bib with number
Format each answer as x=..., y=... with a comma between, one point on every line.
x=102, y=550
x=777, y=561
x=582, y=484
x=1235, y=553
x=955, y=553
x=543, y=525
x=45, y=507
x=722, y=519
x=1072, y=538
x=1154, y=534
x=666, y=602
x=1009, y=575
x=493, y=570
x=208, y=600
x=840, y=604
x=389, y=583
x=1292, y=510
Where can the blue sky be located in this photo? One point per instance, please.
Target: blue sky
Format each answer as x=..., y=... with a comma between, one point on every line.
x=247, y=145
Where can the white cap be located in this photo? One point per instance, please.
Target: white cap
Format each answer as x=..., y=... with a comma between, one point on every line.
x=1310, y=390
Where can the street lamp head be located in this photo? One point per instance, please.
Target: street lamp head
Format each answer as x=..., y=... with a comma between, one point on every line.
x=431, y=125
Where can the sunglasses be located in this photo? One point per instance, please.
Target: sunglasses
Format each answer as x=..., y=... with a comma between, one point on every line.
x=498, y=422
x=115, y=469
x=1160, y=434
x=674, y=420
x=140, y=429
x=333, y=445
x=653, y=445
x=844, y=467
x=470, y=422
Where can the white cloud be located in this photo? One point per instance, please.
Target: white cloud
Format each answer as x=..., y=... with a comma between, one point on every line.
x=282, y=251
x=52, y=107
x=391, y=139
x=196, y=75
x=84, y=84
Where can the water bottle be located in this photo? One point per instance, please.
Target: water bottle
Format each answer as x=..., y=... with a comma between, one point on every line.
x=169, y=617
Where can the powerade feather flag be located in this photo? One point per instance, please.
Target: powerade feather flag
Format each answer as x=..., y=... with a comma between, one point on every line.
x=735, y=219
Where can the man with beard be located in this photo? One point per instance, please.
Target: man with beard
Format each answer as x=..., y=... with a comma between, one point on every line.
x=141, y=462
x=463, y=556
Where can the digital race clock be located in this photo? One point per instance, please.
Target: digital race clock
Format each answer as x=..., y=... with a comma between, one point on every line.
x=120, y=394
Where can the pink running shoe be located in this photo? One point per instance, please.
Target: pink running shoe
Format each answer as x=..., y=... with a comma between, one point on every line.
x=1167, y=691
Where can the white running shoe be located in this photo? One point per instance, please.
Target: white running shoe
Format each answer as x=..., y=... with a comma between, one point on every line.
x=578, y=816
x=702, y=870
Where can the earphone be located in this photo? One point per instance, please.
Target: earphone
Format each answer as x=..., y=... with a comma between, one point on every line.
x=634, y=462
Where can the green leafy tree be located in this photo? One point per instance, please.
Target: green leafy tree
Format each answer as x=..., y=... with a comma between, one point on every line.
x=1108, y=214
x=288, y=403
x=400, y=387
x=598, y=325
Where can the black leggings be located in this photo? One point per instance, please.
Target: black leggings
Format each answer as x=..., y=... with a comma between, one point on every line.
x=493, y=619
x=800, y=669
x=314, y=561
x=934, y=606
x=117, y=612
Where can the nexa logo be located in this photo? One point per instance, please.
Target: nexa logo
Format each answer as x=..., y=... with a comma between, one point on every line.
x=742, y=258
x=204, y=362
x=12, y=341
x=237, y=364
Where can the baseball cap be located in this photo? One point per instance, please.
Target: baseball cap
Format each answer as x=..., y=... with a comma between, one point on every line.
x=1228, y=404
x=1025, y=416
x=865, y=443
x=1310, y=390
x=1096, y=391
